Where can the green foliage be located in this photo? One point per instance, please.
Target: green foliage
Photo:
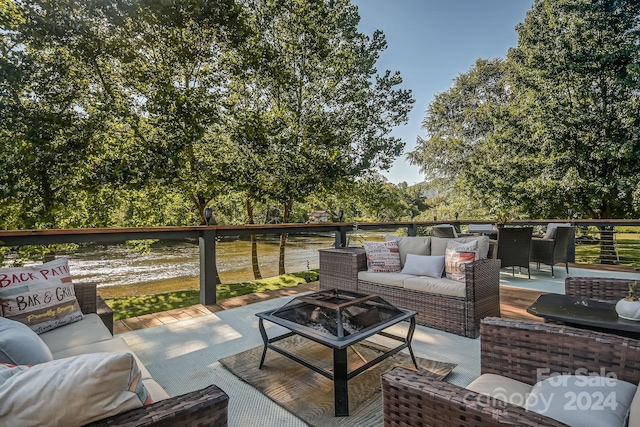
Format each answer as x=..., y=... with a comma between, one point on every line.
x=556, y=125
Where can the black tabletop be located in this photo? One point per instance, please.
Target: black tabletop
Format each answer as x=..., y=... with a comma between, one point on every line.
x=582, y=311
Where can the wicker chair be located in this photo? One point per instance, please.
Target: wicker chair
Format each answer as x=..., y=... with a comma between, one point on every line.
x=444, y=230
x=514, y=247
x=552, y=251
x=599, y=288
x=204, y=407
x=514, y=349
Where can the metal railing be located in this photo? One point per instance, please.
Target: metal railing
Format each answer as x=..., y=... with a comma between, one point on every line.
x=207, y=235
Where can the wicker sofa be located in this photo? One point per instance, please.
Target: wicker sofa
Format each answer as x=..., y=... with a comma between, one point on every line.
x=515, y=350
x=93, y=334
x=345, y=268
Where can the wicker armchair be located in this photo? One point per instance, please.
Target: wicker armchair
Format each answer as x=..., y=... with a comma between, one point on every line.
x=552, y=251
x=514, y=349
x=599, y=288
x=204, y=407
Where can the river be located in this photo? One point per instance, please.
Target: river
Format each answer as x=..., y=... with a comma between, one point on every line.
x=171, y=266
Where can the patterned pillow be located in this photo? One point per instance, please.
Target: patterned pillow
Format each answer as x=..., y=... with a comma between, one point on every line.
x=382, y=257
x=73, y=391
x=42, y=297
x=457, y=256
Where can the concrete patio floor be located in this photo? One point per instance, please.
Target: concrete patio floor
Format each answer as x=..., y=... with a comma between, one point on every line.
x=181, y=348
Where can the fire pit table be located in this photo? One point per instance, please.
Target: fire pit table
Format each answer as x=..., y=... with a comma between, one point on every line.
x=338, y=319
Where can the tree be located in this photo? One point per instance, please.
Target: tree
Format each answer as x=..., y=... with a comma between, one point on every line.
x=564, y=131
x=333, y=112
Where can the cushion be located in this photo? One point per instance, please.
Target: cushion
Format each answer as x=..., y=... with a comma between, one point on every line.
x=19, y=345
x=502, y=388
x=390, y=279
x=581, y=400
x=456, y=258
x=552, y=228
x=71, y=392
x=440, y=286
x=382, y=257
x=419, y=245
x=90, y=330
x=424, y=265
x=42, y=297
x=439, y=244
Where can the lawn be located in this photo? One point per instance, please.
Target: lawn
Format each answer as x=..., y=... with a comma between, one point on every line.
x=124, y=308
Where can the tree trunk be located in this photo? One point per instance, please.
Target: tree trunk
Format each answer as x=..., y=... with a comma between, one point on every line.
x=283, y=237
x=254, y=242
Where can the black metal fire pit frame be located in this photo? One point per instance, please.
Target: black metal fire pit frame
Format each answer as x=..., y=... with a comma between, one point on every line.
x=341, y=373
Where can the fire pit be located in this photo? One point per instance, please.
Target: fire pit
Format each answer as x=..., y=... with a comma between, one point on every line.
x=337, y=319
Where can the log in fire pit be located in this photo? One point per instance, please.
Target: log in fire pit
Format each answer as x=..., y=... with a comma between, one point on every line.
x=337, y=319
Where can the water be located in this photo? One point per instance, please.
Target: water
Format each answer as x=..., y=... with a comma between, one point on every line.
x=172, y=266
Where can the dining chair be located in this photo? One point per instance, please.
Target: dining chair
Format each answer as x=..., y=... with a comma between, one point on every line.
x=552, y=251
x=514, y=247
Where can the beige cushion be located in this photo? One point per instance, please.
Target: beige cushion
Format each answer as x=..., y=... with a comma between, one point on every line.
x=391, y=279
x=441, y=286
x=502, y=388
x=114, y=345
x=418, y=245
x=581, y=400
x=439, y=244
x=382, y=257
x=71, y=392
x=90, y=329
x=42, y=297
x=154, y=389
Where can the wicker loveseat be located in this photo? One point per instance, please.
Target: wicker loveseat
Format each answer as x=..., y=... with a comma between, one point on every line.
x=345, y=268
x=517, y=350
x=93, y=334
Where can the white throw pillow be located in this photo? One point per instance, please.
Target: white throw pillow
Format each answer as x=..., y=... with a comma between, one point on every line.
x=424, y=265
x=42, y=297
x=457, y=256
x=582, y=400
x=382, y=257
x=552, y=228
x=70, y=392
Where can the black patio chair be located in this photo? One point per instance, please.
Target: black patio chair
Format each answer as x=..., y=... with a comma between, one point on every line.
x=514, y=248
x=552, y=251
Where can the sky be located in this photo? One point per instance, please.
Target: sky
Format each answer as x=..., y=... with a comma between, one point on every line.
x=431, y=42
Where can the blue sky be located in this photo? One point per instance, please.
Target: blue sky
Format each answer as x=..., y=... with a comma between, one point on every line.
x=431, y=42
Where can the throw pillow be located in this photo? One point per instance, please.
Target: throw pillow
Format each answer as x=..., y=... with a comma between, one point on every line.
x=424, y=265
x=457, y=256
x=42, y=297
x=581, y=400
x=552, y=228
x=71, y=392
x=19, y=345
x=382, y=257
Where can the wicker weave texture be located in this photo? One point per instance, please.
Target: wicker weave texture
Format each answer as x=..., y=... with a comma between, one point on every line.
x=410, y=399
x=600, y=288
x=524, y=350
x=204, y=407
x=339, y=269
x=90, y=302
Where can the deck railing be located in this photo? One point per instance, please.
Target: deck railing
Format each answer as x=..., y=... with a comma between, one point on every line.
x=207, y=235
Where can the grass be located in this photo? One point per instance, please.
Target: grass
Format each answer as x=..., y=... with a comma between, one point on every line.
x=627, y=246
x=124, y=308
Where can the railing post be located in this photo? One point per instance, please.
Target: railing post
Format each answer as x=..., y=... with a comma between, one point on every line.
x=571, y=249
x=412, y=230
x=340, y=237
x=208, y=273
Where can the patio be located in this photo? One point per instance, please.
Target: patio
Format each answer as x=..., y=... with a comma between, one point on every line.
x=181, y=349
